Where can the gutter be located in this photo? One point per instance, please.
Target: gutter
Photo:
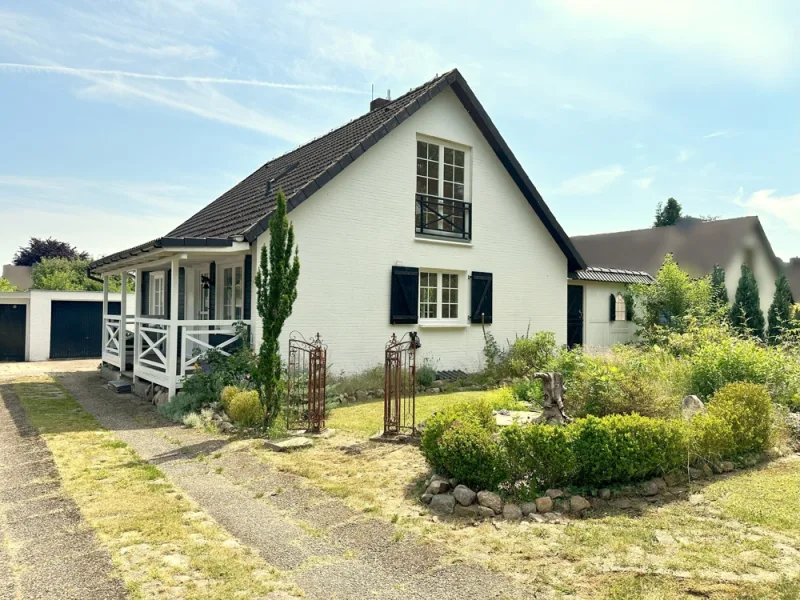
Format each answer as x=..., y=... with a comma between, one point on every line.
x=92, y=277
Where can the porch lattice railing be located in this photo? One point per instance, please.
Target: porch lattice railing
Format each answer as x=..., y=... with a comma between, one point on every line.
x=113, y=326
x=199, y=337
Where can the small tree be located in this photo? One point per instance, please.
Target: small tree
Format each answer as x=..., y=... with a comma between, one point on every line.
x=276, y=282
x=746, y=314
x=718, y=290
x=5, y=285
x=780, y=312
x=71, y=275
x=38, y=249
x=668, y=214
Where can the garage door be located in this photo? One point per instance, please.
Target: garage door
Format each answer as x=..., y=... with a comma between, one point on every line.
x=12, y=332
x=76, y=328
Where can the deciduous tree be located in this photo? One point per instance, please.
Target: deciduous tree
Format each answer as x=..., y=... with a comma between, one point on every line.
x=38, y=249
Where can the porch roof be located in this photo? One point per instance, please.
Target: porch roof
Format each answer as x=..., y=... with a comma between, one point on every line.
x=162, y=243
x=611, y=275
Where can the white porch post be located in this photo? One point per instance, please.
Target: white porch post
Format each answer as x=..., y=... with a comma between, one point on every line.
x=137, y=314
x=105, y=314
x=172, y=334
x=123, y=322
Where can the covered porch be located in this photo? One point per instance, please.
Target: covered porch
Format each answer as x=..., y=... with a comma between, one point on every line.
x=192, y=296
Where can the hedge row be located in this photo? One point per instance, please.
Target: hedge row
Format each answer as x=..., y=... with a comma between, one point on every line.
x=463, y=442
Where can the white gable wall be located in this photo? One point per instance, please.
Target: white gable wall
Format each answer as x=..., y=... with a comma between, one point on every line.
x=599, y=331
x=763, y=269
x=356, y=227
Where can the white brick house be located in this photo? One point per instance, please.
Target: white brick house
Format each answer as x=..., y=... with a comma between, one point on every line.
x=415, y=216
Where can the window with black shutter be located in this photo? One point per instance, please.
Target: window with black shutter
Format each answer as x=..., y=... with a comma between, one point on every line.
x=481, y=298
x=612, y=308
x=403, y=308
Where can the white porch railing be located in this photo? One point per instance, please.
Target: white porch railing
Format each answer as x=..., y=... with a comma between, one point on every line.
x=199, y=337
x=114, y=338
x=151, y=351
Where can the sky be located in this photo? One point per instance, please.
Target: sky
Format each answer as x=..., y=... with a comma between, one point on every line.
x=119, y=120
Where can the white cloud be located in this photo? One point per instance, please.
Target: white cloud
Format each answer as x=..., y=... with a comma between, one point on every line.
x=685, y=154
x=715, y=134
x=786, y=209
x=749, y=37
x=167, y=51
x=592, y=182
x=643, y=183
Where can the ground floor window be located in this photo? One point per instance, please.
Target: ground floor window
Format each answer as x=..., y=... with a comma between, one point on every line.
x=438, y=295
x=232, y=293
x=157, y=293
x=620, y=312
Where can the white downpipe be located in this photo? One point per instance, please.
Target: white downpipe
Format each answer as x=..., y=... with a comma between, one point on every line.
x=172, y=329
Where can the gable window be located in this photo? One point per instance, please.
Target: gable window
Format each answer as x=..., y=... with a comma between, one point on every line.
x=620, y=310
x=438, y=296
x=442, y=204
x=232, y=295
x=156, y=299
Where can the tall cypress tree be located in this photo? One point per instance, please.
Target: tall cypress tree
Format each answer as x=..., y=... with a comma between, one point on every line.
x=746, y=314
x=719, y=293
x=276, y=282
x=780, y=312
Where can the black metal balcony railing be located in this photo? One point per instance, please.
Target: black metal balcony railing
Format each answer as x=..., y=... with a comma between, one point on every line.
x=443, y=217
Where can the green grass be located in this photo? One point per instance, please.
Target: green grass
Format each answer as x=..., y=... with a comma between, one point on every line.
x=158, y=540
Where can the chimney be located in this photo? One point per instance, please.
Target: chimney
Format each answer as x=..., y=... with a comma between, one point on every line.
x=795, y=261
x=378, y=103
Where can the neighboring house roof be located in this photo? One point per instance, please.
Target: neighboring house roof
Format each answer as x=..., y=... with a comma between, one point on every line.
x=246, y=208
x=696, y=245
x=611, y=275
x=792, y=270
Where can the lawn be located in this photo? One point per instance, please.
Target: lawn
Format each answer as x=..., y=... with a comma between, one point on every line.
x=741, y=541
x=161, y=543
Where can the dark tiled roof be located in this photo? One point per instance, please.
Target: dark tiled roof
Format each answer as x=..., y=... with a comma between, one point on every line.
x=245, y=209
x=696, y=246
x=611, y=275
x=792, y=270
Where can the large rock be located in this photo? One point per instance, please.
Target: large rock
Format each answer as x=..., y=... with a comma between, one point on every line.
x=579, y=504
x=426, y=498
x=491, y=500
x=463, y=495
x=544, y=504
x=468, y=511
x=512, y=512
x=653, y=487
x=438, y=486
x=528, y=508
x=484, y=512
x=443, y=504
x=554, y=493
x=675, y=478
x=289, y=444
x=691, y=406
x=604, y=494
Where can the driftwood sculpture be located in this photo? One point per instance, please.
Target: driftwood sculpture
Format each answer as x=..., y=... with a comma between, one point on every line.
x=553, y=405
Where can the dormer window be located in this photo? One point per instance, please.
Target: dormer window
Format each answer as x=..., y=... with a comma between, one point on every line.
x=442, y=202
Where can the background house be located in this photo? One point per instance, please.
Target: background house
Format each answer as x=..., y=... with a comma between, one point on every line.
x=792, y=270
x=696, y=246
x=18, y=276
x=415, y=216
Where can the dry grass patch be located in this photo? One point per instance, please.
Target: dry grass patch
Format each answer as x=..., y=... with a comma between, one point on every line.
x=162, y=544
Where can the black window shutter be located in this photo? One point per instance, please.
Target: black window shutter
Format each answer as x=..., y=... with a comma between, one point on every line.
x=212, y=291
x=181, y=293
x=628, y=308
x=612, y=308
x=167, y=293
x=404, y=309
x=145, y=292
x=481, y=298
x=248, y=290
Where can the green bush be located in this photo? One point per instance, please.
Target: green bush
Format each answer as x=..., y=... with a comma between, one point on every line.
x=181, y=405
x=426, y=374
x=478, y=413
x=245, y=409
x=528, y=390
x=221, y=371
x=710, y=438
x=471, y=455
x=747, y=408
x=227, y=394
x=622, y=448
x=540, y=455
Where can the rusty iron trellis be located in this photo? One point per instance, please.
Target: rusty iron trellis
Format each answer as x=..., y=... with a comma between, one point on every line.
x=306, y=381
x=400, y=385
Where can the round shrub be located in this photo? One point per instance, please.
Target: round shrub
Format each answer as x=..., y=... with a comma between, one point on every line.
x=710, y=438
x=747, y=408
x=245, y=408
x=228, y=392
x=622, y=448
x=542, y=455
x=470, y=454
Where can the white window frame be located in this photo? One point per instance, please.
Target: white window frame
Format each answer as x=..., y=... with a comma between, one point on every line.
x=439, y=319
x=620, y=309
x=443, y=145
x=157, y=293
x=235, y=310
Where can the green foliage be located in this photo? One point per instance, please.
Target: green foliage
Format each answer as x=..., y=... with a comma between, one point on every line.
x=719, y=293
x=671, y=301
x=779, y=316
x=227, y=394
x=540, y=455
x=426, y=374
x=526, y=355
x=276, y=282
x=528, y=390
x=668, y=214
x=710, y=438
x=66, y=274
x=245, y=408
x=470, y=454
x=368, y=379
x=746, y=314
x=39, y=249
x=622, y=448
x=747, y=408
x=221, y=371
x=181, y=405
x=5, y=285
